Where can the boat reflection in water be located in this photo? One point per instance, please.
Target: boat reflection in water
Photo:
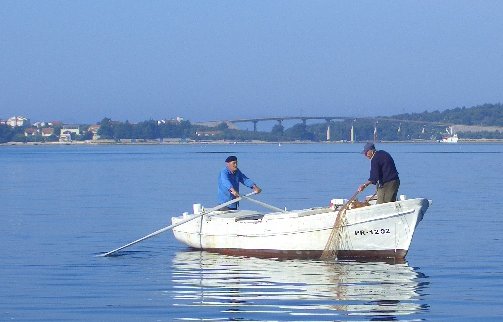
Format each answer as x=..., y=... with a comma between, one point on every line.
x=214, y=286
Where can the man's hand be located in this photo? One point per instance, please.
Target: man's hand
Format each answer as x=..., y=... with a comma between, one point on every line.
x=234, y=193
x=363, y=186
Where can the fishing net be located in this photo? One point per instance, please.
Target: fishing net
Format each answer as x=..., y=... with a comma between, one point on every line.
x=335, y=239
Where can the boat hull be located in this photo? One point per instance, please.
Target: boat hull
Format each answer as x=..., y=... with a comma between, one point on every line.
x=377, y=231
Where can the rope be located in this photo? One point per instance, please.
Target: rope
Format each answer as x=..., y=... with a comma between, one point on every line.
x=333, y=243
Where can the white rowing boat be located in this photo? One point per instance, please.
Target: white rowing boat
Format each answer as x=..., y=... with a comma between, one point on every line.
x=372, y=231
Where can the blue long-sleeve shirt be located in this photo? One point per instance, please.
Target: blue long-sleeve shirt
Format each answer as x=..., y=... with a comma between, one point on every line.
x=228, y=180
x=382, y=168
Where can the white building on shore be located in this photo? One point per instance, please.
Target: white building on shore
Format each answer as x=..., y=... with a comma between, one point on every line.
x=16, y=121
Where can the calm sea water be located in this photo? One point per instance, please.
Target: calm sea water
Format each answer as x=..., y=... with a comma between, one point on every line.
x=63, y=205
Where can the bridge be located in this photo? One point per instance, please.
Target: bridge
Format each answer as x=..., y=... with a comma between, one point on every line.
x=280, y=120
x=304, y=119
x=453, y=128
x=328, y=119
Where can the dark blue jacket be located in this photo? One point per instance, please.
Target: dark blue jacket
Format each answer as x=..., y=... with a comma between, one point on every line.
x=382, y=168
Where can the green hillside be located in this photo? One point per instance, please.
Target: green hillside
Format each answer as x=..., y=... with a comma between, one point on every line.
x=482, y=115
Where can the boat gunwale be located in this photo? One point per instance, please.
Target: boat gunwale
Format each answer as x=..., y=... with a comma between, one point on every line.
x=261, y=218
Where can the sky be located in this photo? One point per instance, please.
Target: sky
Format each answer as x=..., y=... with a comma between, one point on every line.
x=82, y=60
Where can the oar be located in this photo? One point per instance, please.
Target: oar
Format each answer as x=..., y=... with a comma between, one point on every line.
x=157, y=232
x=263, y=204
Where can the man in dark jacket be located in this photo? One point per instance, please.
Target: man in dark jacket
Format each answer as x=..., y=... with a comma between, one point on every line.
x=383, y=173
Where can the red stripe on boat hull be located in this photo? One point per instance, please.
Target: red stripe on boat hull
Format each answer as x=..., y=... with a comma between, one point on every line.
x=398, y=254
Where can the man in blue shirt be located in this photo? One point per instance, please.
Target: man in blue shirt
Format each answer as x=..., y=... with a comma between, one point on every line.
x=228, y=183
x=383, y=173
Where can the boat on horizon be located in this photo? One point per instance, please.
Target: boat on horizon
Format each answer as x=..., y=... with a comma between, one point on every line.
x=368, y=230
x=451, y=137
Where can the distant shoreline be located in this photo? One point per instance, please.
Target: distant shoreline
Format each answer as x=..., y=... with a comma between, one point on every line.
x=225, y=142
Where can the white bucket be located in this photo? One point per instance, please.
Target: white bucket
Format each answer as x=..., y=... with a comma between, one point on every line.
x=197, y=208
x=403, y=197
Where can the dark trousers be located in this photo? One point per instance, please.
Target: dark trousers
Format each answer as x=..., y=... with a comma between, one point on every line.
x=388, y=191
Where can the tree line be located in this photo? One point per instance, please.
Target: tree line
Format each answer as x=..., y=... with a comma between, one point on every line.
x=425, y=126
x=403, y=127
